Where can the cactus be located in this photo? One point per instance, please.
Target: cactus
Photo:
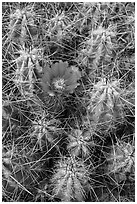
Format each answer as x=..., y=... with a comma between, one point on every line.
x=68, y=88
x=100, y=47
x=80, y=143
x=44, y=129
x=70, y=180
x=121, y=160
x=105, y=104
x=24, y=76
x=57, y=28
x=22, y=25
x=17, y=172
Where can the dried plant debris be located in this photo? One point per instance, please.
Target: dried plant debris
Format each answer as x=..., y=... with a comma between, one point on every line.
x=68, y=101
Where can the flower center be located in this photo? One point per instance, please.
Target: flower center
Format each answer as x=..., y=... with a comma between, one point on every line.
x=59, y=83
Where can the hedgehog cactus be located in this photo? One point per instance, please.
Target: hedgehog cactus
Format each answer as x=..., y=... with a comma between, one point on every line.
x=100, y=45
x=105, y=104
x=80, y=142
x=68, y=77
x=57, y=28
x=17, y=172
x=24, y=74
x=43, y=129
x=121, y=160
x=22, y=25
x=70, y=180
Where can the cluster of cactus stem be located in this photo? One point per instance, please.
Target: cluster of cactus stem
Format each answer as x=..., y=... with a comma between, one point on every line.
x=68, y=102
x=106, y=104
x=121, y=160
x=70, y=181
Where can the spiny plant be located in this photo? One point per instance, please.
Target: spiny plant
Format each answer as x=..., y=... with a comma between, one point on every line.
x=24, y=76
x=70, y=180
x=44, y=129
x=57, y=27
x=122, y=160
x=22, y=25
x=19, y=173
x=80, y=142
x=101, y=44
x=107, y=103
x=68, y=90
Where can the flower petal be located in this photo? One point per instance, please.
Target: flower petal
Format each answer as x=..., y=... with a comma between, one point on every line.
x=55, y=69
x=68, y=73
x=71, y=80
x=76, y=71
x=62, y=67
x=71, y=87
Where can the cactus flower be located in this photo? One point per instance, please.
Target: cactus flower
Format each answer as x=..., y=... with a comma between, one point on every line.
x=60, y=78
